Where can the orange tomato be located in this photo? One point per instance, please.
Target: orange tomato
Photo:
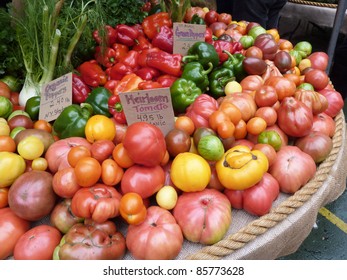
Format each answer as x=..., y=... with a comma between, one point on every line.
x=185, y=123
x=76, y=153
x=111, y=172
x=5, y=90
x=121, y=156
x=132, y=208
x=88, y=171
x=100, y=127
x=240, y=130
x=256, y=125
x=7, y=144
x=3, y=197
x=43, y=125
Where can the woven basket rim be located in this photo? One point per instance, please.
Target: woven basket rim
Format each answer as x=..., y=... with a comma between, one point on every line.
x=312, y=3
x=237, y=240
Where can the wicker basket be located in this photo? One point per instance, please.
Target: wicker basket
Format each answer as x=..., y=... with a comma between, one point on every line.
x=325, y=4
x=327, y=185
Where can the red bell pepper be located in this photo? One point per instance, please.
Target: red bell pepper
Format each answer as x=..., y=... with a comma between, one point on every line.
x=121, y=50
x=116, y=109
x=127, y=35
x=168, y=63
x=119, y=70
x=164, y=39
x=149, y=85
x=220, y=46
x=110, y=85
x=110, y=36
x=80, y=90
x=92, y=73
x=142, y=43
x=142, y=59
x=151, y=24
x=148, y=73
x=166, y=80
x=131, y=59
x=105, y=56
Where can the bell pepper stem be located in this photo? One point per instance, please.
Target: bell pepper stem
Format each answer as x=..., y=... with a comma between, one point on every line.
x=210, y=67
x=188, y=57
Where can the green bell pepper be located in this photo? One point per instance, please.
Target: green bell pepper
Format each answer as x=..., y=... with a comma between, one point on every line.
x=235, y=63
x=72, y=120
x=195, y=72
x=196, y=19
x=32, y=107
x=98, y=98
x=218, y=78
x=183, y=93
x=202, y=52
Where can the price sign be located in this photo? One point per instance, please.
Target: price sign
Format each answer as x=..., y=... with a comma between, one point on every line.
x=56, y=95
x=152, y=106
x=186, y=34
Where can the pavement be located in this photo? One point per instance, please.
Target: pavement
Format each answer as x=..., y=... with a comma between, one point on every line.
x=328, y=238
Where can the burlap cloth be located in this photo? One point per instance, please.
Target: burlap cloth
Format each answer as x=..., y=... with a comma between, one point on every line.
x=291, y=219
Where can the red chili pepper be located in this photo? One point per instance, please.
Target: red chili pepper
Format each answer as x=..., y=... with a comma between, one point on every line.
x=149, y=85
x=127, y=35
x=165, y=62
x=119, y=70
x=105, y=56
x=148, y=73
x=151, y=24
x=110, y=36
x=92, y=73
x=131, y=59
x=121, y=50
x=116, y=109
x=166, y=80
x=220, y=46
x=164, y=39
x=80, y=90
x=142, y=60
x=142, y=43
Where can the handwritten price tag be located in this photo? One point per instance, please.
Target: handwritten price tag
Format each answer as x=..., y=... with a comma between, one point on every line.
x=56, y=95
x=152, y=106
x=185, y=35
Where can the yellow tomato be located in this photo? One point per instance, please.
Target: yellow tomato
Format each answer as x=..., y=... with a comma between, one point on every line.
x=100, y=127
x=30, y=147
x=166, y=197
x=190, y=172
x=12, y=166
x=4, y=128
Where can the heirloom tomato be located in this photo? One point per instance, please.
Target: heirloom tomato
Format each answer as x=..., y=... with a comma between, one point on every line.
x=87, y=171
x=38, y=243
x=100, y=127
x=324, y=123
x=12, y=166
x=291, y=160
x=132, y=208
x=283, y=86
x=158, y=237
x=12, y=228
x=145, y=143
x=335, y=101
x=190, y=172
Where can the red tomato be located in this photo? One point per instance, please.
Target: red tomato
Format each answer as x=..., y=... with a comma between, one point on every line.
x=65, y=183
x=294, y=117
x=319, y=79
x=319, y=60
x=38, y=243
x=265, y=96
x=251, y=83
x=210, y=17
x=291, y=160
x=244, y=101
x=283, y=86
x=324, y=123
x=158, y=237
x=11, y=229
x=145, y=143
x=268, y=150
x=5, y=90
x=143, y=180
x=335, y=101
x=258, y=199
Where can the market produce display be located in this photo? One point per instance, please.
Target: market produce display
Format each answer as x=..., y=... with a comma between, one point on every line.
x=251, y=109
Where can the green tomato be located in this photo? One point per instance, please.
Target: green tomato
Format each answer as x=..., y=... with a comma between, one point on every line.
x=30, y=148
x=246, y=41
x=12, y=82
x=304, y=48
x=16, y=113
x=306, y=86
x=296, y=55
x=6, y=107
x=210, y=147
x=16, y=130
x=256, y=30
x=272, y=138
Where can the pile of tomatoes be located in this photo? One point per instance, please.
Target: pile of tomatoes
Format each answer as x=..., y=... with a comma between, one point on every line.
x=130, y=188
